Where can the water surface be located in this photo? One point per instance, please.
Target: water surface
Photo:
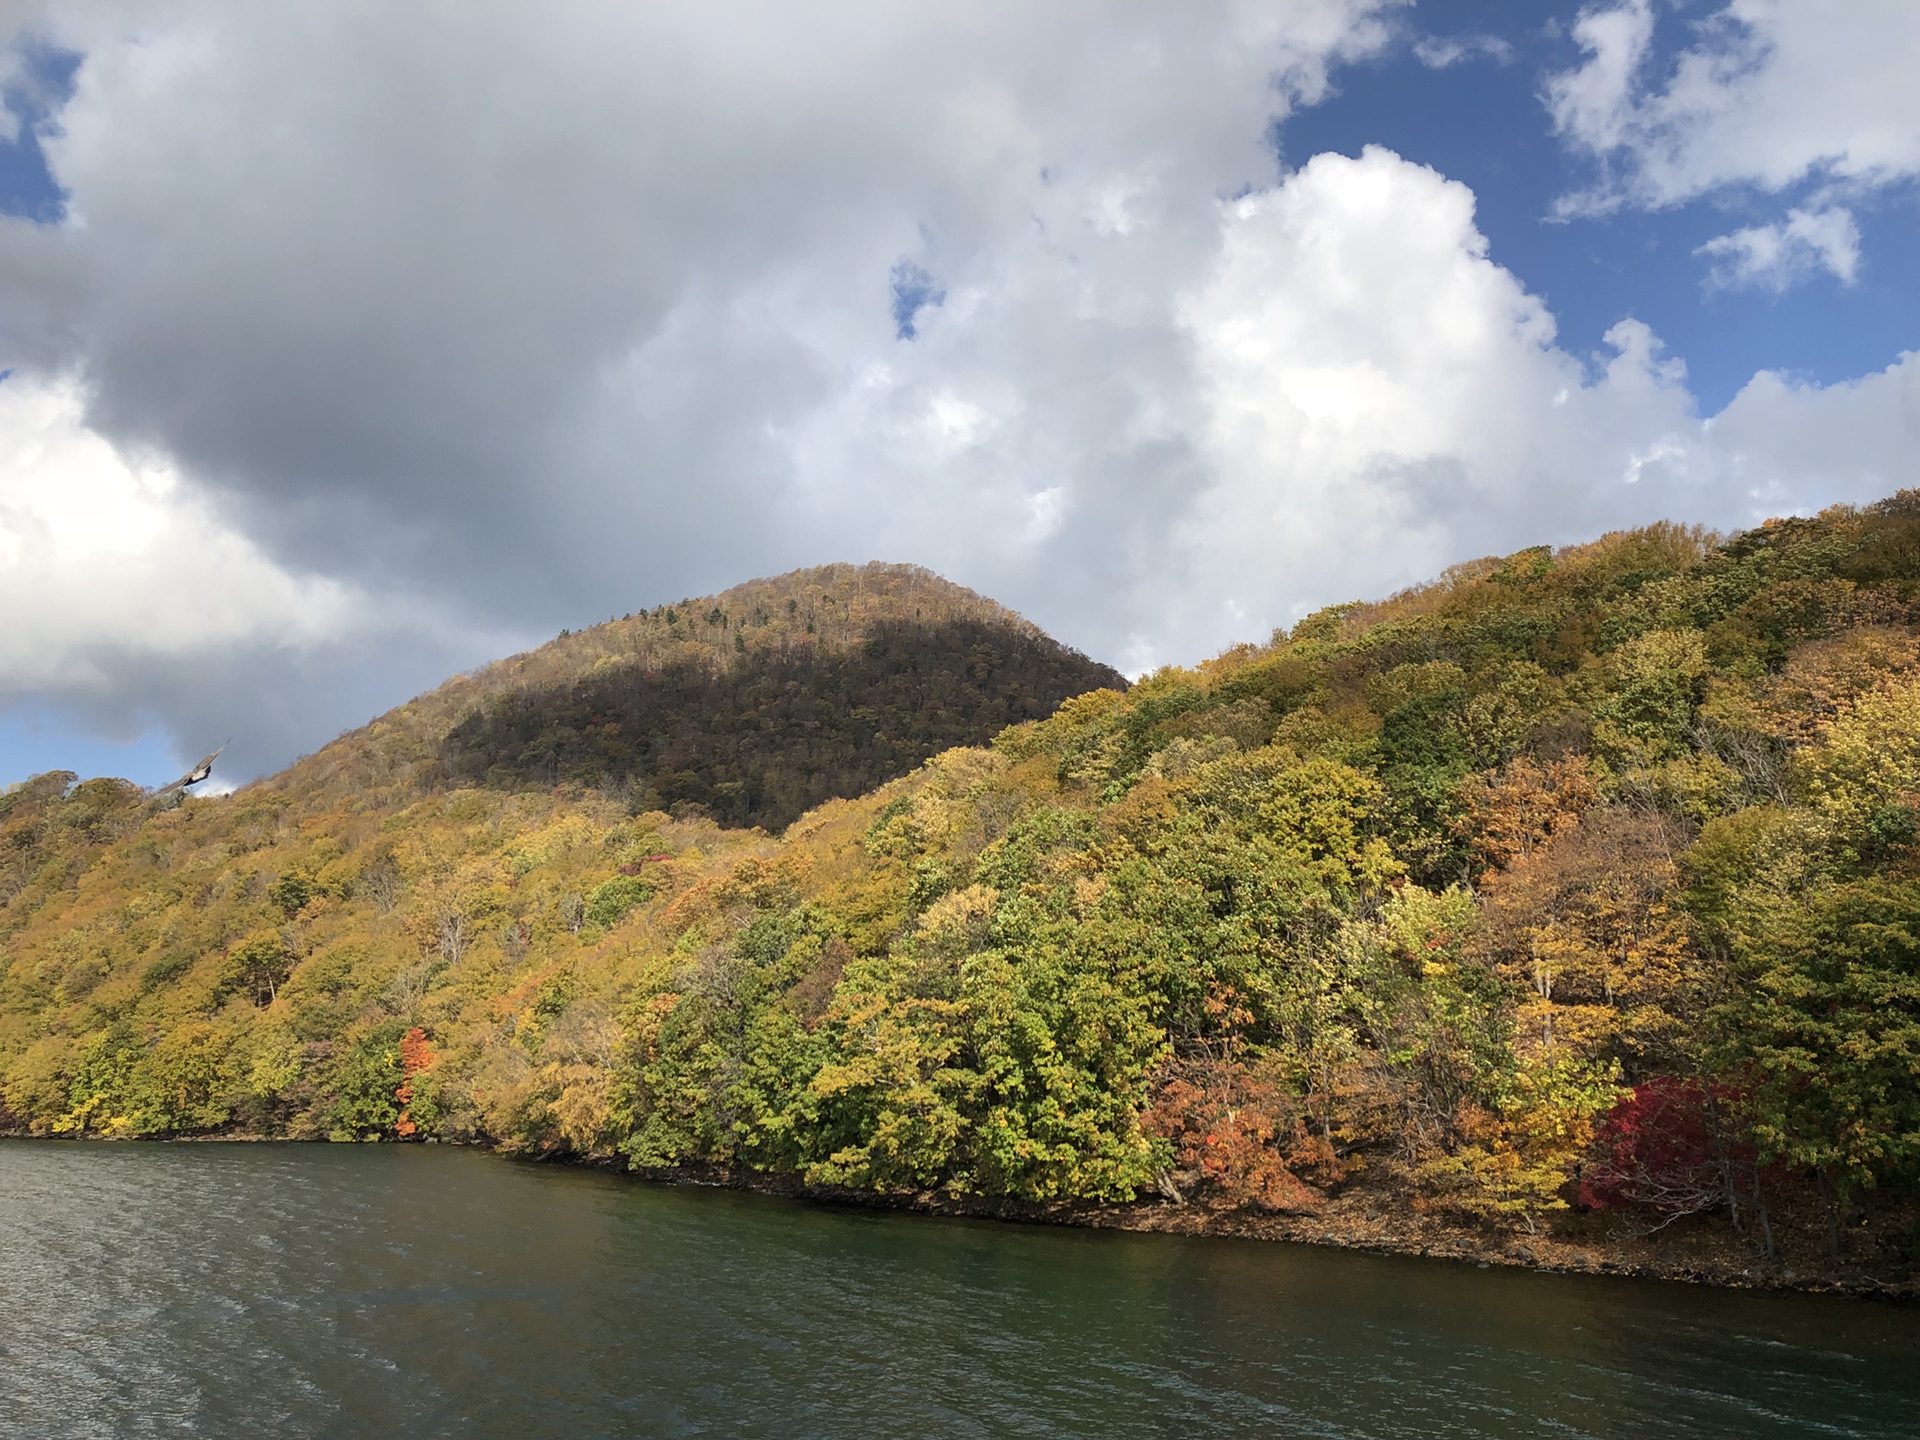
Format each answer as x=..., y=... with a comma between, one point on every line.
x=160, y=1290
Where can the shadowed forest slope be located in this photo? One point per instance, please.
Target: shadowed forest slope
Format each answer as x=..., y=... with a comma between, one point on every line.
x=753, y=705
x=1572, y=898
x=773, y=734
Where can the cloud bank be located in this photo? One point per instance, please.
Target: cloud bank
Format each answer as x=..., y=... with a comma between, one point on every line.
x=1769, y=96
x=381, y=341
x=1769, y=93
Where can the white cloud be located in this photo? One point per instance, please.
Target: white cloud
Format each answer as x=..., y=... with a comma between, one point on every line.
x=1769, y=93
x=1595, y=105
x=1775, y=257
x=1438, y=53
x=103, y=553
x=448, y=327
x=1794, y=446
x=1382, y=399
x=129, y=595
x=538, y=322
x=405, y=260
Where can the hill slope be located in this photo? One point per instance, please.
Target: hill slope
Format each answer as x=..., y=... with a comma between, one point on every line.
x=753, y=705
x=1573, y=898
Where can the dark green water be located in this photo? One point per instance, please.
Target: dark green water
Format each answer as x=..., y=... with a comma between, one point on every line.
x=343, y=1290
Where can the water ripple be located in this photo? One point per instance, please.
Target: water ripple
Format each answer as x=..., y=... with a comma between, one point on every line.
x=216, y=1290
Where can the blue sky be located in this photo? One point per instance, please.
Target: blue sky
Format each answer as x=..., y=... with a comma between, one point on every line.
x=1482, y=120
x=34, y=740
x=42, y=84
x=339, y=354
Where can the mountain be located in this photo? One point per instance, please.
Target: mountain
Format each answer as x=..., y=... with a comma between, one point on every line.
x=764, y=701
x=1566, y=908
x=753, y=705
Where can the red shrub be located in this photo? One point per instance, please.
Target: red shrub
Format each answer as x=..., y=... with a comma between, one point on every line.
x=1665, y=1148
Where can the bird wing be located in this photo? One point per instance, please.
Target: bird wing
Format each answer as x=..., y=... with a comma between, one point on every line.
x=196, y=774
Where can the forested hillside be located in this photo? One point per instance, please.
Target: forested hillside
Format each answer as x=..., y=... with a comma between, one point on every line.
x=765, y=739
x=753, y=705
x=1575, y=894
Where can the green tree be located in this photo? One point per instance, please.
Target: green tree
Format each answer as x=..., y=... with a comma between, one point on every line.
x=366, y=1090
x=1824, y=1025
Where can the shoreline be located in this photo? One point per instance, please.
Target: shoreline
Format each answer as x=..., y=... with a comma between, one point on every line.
x=1336, y=1227
x=1348, y=1222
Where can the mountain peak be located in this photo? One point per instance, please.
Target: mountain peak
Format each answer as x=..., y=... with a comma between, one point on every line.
x=826, y=607
x=754, y=704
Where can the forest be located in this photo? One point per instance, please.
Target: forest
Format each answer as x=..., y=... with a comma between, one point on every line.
x=1573, y=896
x=769, y=737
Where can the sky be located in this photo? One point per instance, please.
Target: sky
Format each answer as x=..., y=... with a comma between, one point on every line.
x=346, y=346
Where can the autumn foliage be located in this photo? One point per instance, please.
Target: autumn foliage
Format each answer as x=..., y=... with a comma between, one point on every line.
x=1239, y=1138
x=1577, y=888
x=416, y=1057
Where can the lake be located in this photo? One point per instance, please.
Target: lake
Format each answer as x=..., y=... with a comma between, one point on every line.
x=159, y=1290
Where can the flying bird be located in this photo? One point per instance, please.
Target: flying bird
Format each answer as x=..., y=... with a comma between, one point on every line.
x=196, y=774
